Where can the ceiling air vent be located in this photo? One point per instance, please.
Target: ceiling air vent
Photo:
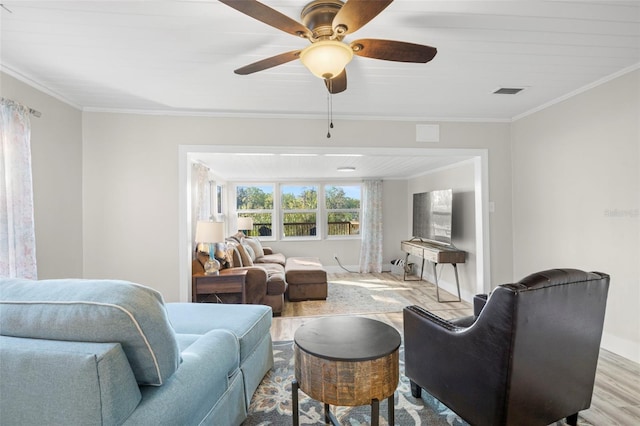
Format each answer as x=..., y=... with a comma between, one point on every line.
x=508, y=90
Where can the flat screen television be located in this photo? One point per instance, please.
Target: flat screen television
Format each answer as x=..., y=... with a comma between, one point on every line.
x=432, y=213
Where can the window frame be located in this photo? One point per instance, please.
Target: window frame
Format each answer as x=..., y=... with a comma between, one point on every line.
x=273, y=211
x=327, y=210
x=317, y=212
x=277, y=213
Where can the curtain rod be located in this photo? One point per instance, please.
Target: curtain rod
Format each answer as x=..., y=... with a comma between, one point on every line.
x=32, y=111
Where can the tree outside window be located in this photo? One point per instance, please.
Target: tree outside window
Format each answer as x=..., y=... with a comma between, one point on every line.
x=299, y=210
x=256, y=201
x=342, y=204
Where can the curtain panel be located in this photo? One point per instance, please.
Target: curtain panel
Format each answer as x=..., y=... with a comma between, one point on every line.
x=199, y=186
x=371, y=227
x=17, y=228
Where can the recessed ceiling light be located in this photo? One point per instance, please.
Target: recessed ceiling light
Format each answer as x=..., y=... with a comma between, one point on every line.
x=346, y=169
x=259, y=154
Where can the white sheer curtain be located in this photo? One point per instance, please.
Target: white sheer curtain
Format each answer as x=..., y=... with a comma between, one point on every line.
x=371, y=227
x=17, y=229
x=199, y=185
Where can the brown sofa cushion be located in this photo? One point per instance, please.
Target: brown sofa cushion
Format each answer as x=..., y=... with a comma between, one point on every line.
x=303, y=270
x=277, y=258
x=256, y=245
x=276, y=283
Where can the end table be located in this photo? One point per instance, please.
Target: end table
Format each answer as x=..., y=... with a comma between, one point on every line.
x=230, y=280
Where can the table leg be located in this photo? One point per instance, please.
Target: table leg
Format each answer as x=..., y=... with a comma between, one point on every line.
x=327, y=414
x=455, y=268
x=391, y=413
x=294, y=402
x=435, y=277
x=375, y=412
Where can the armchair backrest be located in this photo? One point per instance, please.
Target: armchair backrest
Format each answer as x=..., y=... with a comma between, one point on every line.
x=558, y=318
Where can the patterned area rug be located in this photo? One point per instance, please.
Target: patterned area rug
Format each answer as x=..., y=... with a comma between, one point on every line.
x=271, y=404
x=368, y=294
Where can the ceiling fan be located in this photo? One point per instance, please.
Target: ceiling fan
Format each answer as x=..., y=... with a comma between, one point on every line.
x=325, y=23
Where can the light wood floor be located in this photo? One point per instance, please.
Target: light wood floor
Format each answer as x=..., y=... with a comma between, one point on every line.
x=616, y=396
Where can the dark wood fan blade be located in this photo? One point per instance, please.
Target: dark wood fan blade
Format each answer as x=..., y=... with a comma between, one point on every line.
x=356, y=13
x=267, y=63
x=338, y=83
x=390, y=50
x=269, y=16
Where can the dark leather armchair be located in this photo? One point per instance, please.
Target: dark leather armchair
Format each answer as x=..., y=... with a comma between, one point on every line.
x=527, y=357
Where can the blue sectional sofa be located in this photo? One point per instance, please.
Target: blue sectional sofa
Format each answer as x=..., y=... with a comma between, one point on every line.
x=106, y=352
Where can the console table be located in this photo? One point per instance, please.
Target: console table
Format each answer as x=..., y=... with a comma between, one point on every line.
x=434, y=253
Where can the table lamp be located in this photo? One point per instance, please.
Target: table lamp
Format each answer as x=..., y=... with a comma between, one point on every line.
x=210, y=233
x=245, y=224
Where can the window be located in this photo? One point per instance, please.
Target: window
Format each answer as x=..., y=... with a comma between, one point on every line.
x=219, y=191
x=342, y=204
x=299, y=210
x=256, y=202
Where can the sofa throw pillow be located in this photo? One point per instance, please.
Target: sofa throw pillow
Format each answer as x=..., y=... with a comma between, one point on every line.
x=256, y=245
x=99, y=311
x=244, y=255
x=250, y=252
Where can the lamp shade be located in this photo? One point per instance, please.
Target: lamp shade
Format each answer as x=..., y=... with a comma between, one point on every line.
x=209, y=232
x=245, y=223
x=326, y=58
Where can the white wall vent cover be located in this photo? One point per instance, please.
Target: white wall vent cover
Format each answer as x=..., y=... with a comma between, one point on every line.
x=508, y=90
x=427, y=133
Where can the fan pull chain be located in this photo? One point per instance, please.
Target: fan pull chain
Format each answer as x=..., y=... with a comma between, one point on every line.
x=329, y=113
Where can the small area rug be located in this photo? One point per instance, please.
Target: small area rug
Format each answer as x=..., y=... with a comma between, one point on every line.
x=367, y=294
x=271, y=404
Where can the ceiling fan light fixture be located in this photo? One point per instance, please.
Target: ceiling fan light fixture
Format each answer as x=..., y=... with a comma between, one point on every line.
x=326, y=59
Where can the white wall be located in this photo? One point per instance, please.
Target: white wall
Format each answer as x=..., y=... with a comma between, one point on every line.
x=56, y=153
x=576, y=190
x=131, y=201
x=461, y=179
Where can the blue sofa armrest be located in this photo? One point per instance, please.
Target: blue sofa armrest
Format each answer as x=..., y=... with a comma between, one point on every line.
x=208, y=384
x=60, y=382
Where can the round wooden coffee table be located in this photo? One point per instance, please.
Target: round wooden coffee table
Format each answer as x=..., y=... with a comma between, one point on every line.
x=346, y=361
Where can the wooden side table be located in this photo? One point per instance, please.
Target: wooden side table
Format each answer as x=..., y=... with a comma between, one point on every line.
x=346, y=361
x=230, y=280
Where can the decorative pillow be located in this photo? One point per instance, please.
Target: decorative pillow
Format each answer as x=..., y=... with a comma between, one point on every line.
x=238, y=236
x=244, y=256
x=256, y=245
x=250, y=252
x=101, y=311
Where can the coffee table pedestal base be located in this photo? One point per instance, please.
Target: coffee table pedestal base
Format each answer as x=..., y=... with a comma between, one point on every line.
x=329, y=417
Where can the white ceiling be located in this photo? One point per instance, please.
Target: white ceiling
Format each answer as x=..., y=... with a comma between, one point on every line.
x=179, y=56
x=296, y=163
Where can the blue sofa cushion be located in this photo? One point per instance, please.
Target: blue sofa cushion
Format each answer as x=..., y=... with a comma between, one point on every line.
x=250, y=323
x=95, y=311
x=65, y=383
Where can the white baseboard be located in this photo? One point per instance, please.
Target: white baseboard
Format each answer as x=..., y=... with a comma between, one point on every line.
x=336, y=268
x=623, y=347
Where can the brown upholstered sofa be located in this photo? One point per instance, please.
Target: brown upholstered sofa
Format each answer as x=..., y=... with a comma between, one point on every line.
x=271, y=275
